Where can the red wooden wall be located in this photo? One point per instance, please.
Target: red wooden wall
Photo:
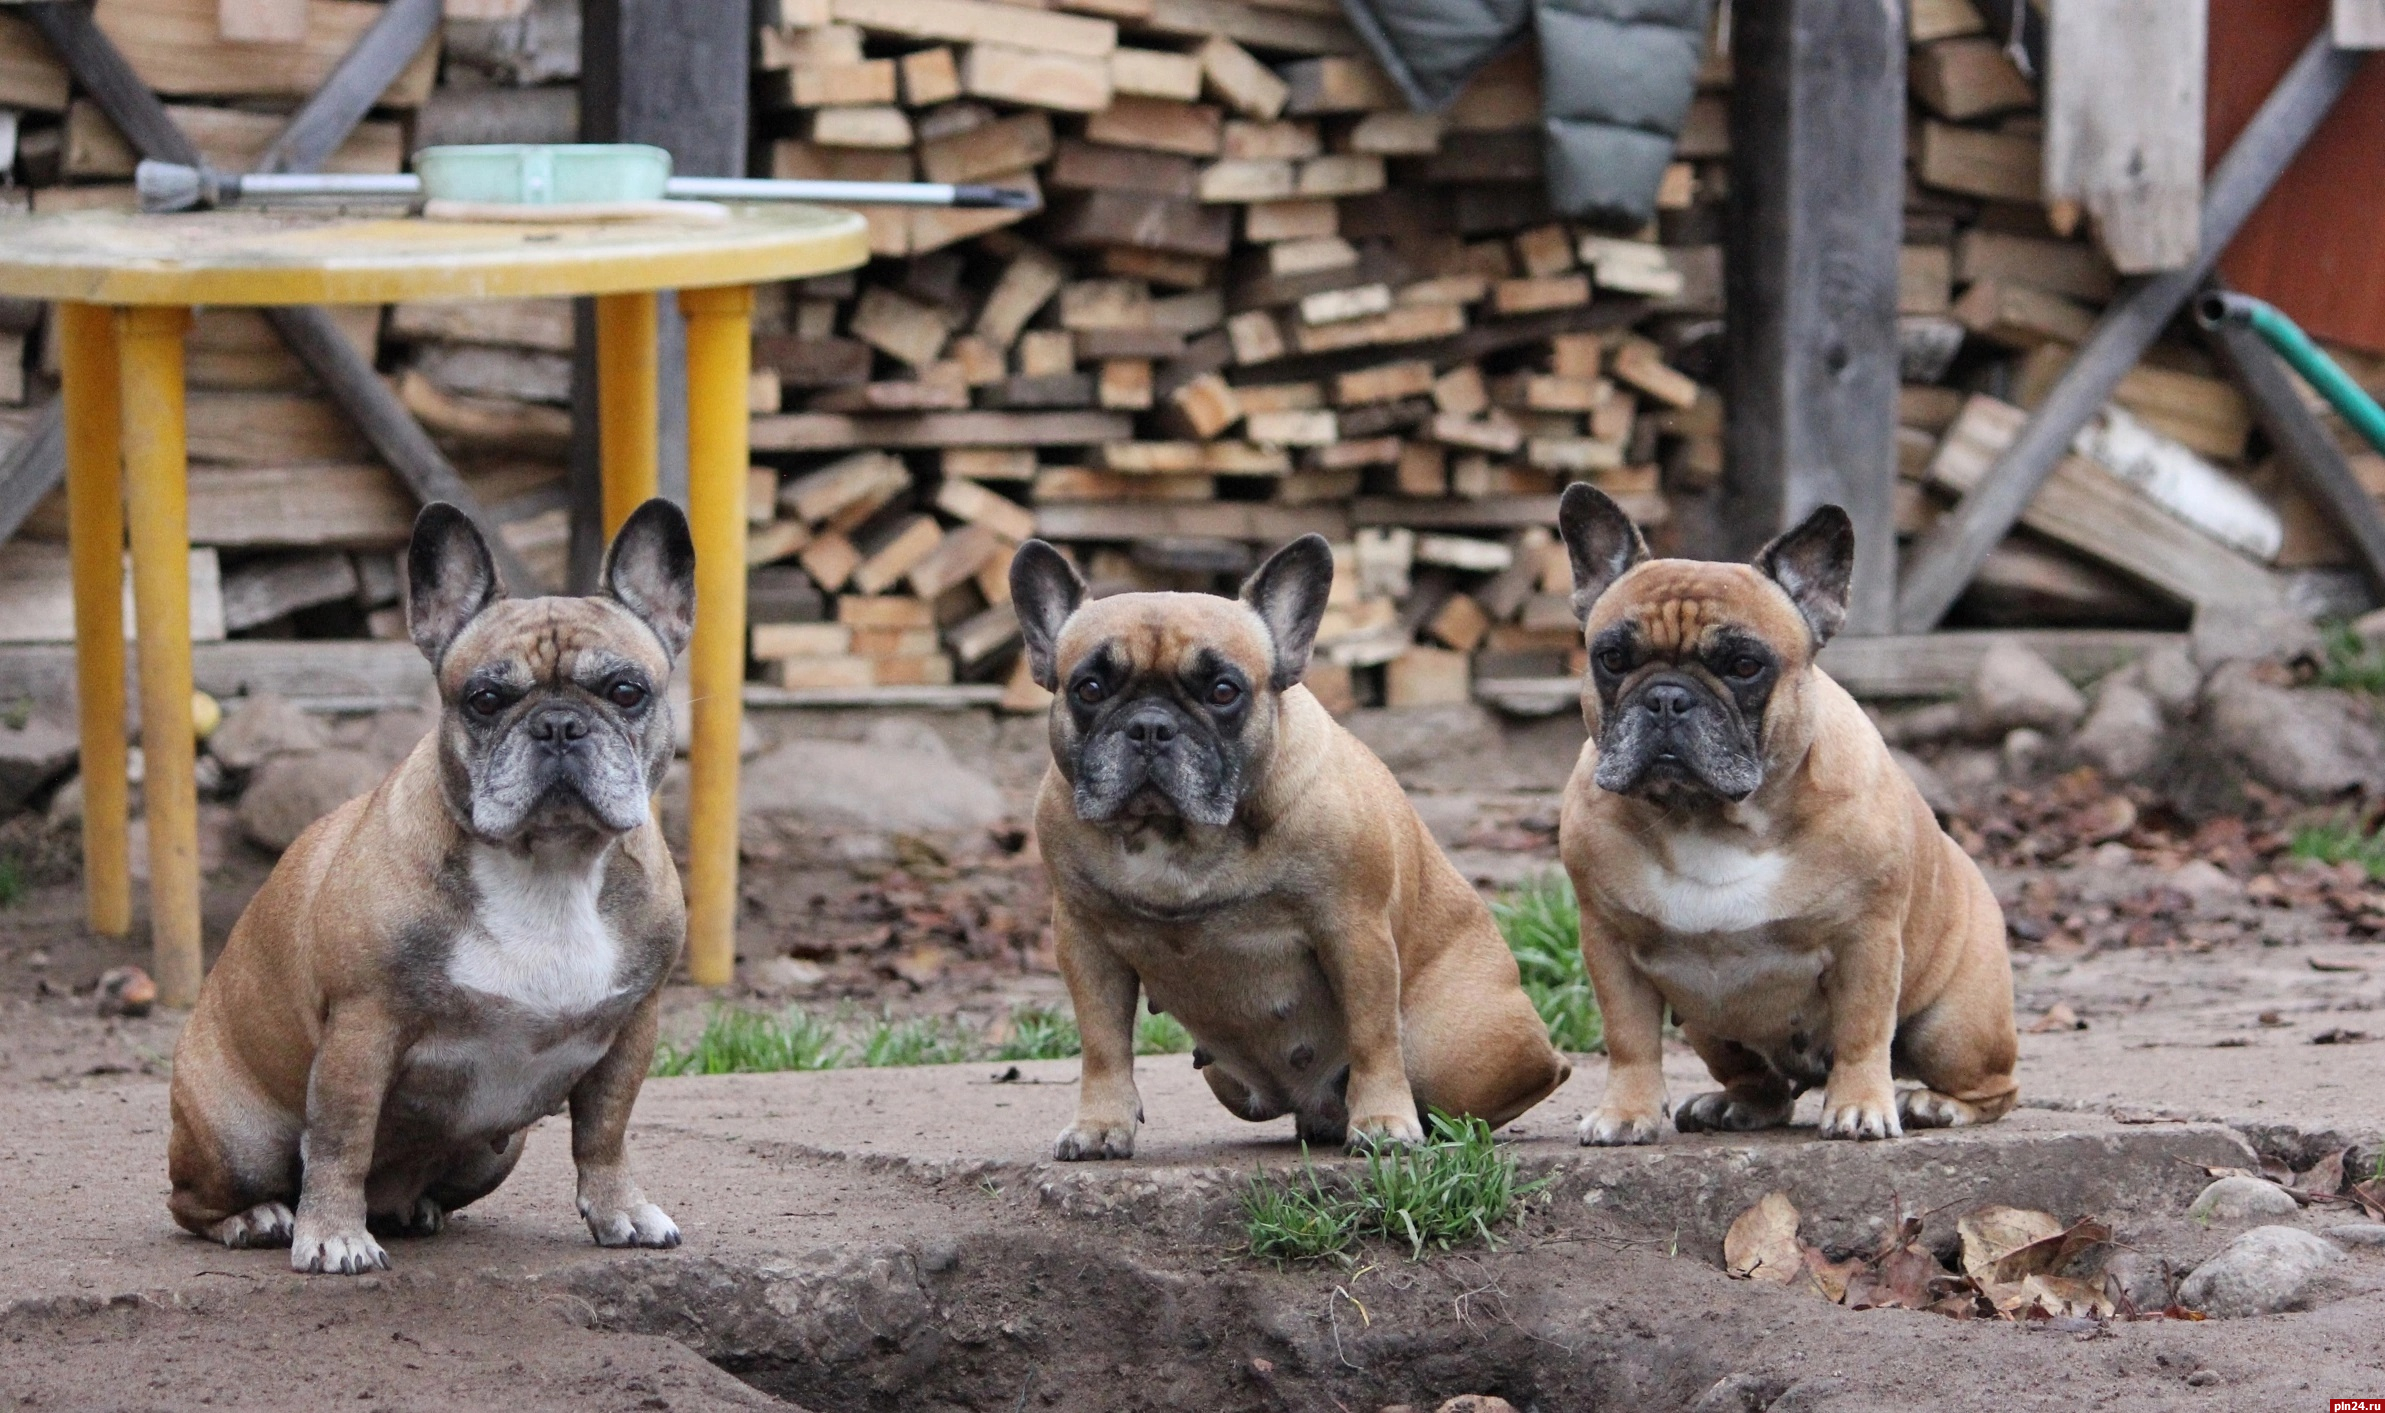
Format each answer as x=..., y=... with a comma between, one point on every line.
x=2316, y=248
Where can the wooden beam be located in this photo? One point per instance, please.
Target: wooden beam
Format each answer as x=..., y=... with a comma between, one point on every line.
x=1817, y=188
x=2308, y=450
x=108, y=77
x=324, y=121
x=1954, y=549
x=838, y=431
x=2359, y=24
x=33, y=468
x=2124, y=126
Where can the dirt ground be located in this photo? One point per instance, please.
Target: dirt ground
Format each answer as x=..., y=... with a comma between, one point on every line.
x=2170, y=970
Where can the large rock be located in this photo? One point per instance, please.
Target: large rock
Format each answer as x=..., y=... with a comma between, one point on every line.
x=31, y=756
x=2015, y=688
x=2237, y=1198
x=2224, y=633
x=2122, y=735
x=2170, y=674
x=2311, y=742
x=895, y=781
x=263, y=727
x=290, y=792
x=2262, y=1272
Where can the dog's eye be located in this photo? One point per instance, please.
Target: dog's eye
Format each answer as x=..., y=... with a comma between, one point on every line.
x=625, y=695
x=1225, y=693
x=488, y=701
x=1090, y=691
x=1614, y=659
x=1745, y=668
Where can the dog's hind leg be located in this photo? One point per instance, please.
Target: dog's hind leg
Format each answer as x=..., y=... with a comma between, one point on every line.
x=1752, y=1096
x=234, y=1168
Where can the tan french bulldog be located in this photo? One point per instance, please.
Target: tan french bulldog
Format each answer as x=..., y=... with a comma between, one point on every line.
x=1747, y=853
x=1219, y=842
x=479, y=942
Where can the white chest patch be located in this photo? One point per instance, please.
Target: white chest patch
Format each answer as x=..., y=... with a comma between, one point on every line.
x=1714, y=886
x=536, y=937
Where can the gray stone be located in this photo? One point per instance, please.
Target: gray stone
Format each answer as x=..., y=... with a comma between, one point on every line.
x=2311, y=742
x=2243, y=632
x=891, y=783
x=31, y=756
x=1932, y=786
x=2262, y=1272
x=2122, y=735
x=2143, y=1279
x=1925, y=725
x=265, y=726
x=2014, y=687
x=1741, y=1393
x=2024, y=752
x=2210, y=886
x=290, y=792
x=2170, y=674
x=2367, y=1235
x=2238, y=1198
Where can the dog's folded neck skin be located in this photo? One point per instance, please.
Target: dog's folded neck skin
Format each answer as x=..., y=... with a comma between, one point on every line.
x=1168, y=716
x=1697, y=710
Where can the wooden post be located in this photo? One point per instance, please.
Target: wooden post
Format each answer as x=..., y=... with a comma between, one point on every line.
x=2359, y=24
x=2124, y=126
x=92, y=396
x=2305, y=444
x=672, y=73
x=1943, y=563
x=1817, y=192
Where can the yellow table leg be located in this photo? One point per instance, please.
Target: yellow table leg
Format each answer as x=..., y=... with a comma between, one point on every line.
x=628, y=402
x=95, y=527
x=157, y=497
x=719, y=360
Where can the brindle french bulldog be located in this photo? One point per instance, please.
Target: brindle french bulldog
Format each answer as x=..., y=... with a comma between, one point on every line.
x=1747, y=853
x=1218, y=841
x=477, y=943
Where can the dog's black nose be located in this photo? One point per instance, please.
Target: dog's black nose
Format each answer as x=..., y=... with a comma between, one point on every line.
x=1151, y=727
x=558, y=726
x=1669, y=699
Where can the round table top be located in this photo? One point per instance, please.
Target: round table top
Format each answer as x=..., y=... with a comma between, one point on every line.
x=259, y=258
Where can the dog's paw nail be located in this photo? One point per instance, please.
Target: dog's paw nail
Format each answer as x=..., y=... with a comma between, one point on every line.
x=1390, y=1130
x=1093, y=1142
x=266, y=1224
x=1922, y=1108
x=1604, y=1130
x=341, y=1254
x=641, y=1225
x=1861, y=1121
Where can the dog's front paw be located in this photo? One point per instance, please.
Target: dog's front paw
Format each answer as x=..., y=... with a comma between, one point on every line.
x=335, y=1253
x=1721, y=1111
x=1611, y=1128
x=639, y=1224
x=1092, y=1140
x=1386, y=1130
x=266, y=1224
x=1861, y=1118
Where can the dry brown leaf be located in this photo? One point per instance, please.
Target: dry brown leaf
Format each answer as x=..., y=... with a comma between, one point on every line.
x=2371, y=1197
x=1828, y=1278
x=2060, y=1297
x=2058, y=1016
x=1993, y=1233
x=2054, y=1254
x=1905, y=1279
x=2325, y=1177
x=1762, y=1242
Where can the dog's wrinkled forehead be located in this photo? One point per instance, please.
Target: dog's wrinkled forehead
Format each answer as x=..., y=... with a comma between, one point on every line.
x=1676, y=607
x=1160, y=634
x=554, y=640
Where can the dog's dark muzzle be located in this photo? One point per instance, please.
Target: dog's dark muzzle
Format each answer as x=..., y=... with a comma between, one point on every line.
x=1151, y=728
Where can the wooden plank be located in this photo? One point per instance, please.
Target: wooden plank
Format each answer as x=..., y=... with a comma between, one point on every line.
x=1969, y=78
x=2000, y=166
x=831, y=431
x=174, y=47
x=1954, y=548
x=2304, y=443
x=1264, y=524
x=392, y=48
x=1488, y=513
x=1105, y=218
x=1036, y=77
x=1817, y=177
x=2358, y=24
x=2124, y=125
x=229, y=139
x=1893, y=666
x=261, y=21
x=980, y=21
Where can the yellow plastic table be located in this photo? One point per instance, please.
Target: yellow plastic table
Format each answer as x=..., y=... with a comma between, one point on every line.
x=125, y=285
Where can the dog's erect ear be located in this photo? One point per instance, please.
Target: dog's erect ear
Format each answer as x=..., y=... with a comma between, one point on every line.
x=650, y=569
x=1815, y=563
x=449, y=578
x=1289, y=592
x=1600, y=540
x=1044, y=589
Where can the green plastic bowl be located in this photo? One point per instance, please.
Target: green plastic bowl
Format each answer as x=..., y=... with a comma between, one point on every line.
x=544, y=174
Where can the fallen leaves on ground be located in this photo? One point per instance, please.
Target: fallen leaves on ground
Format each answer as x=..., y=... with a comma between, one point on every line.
x=2332, y=1181
x=2014, y=1264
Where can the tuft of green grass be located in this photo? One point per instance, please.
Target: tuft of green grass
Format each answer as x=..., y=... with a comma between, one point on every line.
x=754, y=1042
x=1040, y=1033
x=1160, y=1034
x=2351, y=663
x=1456, y=1186
x=2340, y=841
x=1543, y=927
x=14, y=884
x=923, y=1041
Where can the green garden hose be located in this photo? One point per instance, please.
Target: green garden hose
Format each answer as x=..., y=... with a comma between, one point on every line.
x=2218, y=309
